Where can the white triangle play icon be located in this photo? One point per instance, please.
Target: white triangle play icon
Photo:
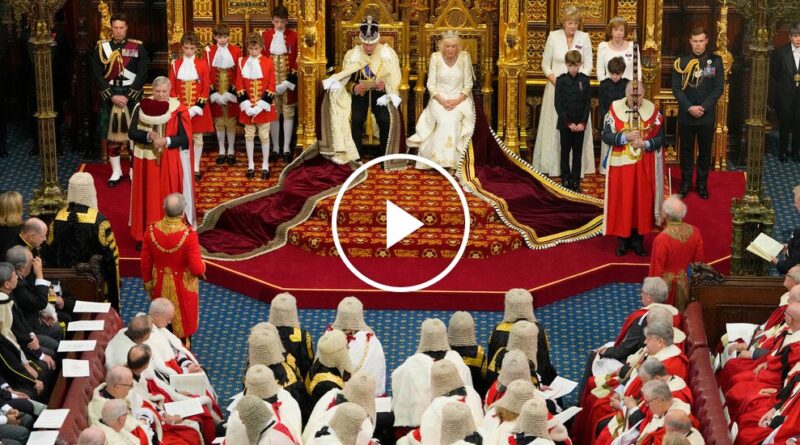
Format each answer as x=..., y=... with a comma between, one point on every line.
x=399, y=224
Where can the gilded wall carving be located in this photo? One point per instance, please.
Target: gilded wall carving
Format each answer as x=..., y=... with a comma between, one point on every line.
x=535, y=50
x=205, y=34
x=593, y=11
x=203, y=9
x=597, y=37
x=244, y=6
x=536, y=11
x=627, y=9
x=236, y=35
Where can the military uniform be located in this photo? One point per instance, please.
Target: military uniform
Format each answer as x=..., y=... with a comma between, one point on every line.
x=119, y=68
x=697, y=80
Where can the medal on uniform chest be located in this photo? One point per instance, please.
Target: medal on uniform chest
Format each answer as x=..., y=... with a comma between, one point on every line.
x=797, y=80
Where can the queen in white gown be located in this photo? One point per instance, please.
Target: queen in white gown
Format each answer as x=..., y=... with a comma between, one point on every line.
x=445, y=127
x=547, y=150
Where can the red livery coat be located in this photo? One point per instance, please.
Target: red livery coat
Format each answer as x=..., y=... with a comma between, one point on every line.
x=193, y=93
x=171, y=265
x=678, y=245
x=290, y=36
x=256, y=89
x=214, y=76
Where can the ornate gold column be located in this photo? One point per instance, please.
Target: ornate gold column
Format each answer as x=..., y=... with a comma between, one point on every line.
x=651, y=50
x=421, y=9
x=489, y=9
x=754, y=214
x=511, y=63
x=721, y=132
x=311, y=66
x=48, y=198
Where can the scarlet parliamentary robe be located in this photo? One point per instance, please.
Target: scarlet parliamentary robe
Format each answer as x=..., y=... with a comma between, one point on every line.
x=223, y=80
x=678, y=245
x=285, y=65
x=193, y=92
x=255, y=89
x=171, y=265
x=635, y=178
x=158, y=171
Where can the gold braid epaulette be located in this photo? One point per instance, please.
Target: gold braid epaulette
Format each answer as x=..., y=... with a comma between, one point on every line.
x=687, y=72
x=174, y=249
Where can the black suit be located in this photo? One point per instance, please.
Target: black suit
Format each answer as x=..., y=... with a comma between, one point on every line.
x=792, y=253
x=787, y=99
x=32, y=298
x=705, y=93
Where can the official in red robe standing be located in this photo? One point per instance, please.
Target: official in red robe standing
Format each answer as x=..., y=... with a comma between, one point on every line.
x=221, y=59
x=171, y=266
x=190, y=84
x=162, y=134
x=280, y=45
x=635, y=178
x=677, y=246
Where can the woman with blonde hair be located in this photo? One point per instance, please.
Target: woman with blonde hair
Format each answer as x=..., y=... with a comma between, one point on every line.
x=445, y=127
x=10, y=220
x=547, y=151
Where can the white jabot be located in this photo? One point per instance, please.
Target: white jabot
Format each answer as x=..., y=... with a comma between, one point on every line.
x=222, y=58
x=187, y=71
x=796, y=54
x=278, y=45
x=252, y=68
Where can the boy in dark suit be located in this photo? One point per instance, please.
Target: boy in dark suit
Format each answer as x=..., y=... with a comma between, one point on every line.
x=785, y=71
x=573, y=106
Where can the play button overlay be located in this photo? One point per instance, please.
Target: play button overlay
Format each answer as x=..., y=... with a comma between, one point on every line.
x=399, y=224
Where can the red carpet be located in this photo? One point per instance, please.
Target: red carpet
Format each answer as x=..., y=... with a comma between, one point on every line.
x=553, y=274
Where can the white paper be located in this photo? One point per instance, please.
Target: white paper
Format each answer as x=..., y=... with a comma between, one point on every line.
x=742, y=331
x=563, y=416
x=86, y=325
x=75, y=368
x=629, y=437
x=76, y=345
x=194, y=384
x=51, y=419
x=42, y=437
x=765, y=247
x=559, y=388
x=218, y=440
x=91, y=307
x=184, y=408
x=734, y=431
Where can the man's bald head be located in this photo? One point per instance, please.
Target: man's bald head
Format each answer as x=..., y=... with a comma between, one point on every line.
x=792, y=277
x=678, y=421
x=794, y=294
x=114, y=413
x=34, y=231
x=162, y=311
x=139, y=329
x=139, y=358
x=119, y=381
x=92, y=436
x=674, y=208
x=793, y=316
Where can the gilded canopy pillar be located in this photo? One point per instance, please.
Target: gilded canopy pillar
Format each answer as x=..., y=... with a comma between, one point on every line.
x=311, y=66
x=511, y=74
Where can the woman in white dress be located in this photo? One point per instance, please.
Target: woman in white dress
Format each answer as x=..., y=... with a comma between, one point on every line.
x=547, y=151
x=445, y=126
x=614, y=46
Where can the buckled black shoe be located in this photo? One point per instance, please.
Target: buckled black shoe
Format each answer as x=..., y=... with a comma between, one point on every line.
x=273, y=156
x=114, y=182
x=639, y=250
x=251, y=174
x=265, y=174
x=231, y=159
x=198, y=176
x=220, y=160
x=685, y=188
x=287, y=157
x=783, y=158
x=622, y=248
x=702, y=192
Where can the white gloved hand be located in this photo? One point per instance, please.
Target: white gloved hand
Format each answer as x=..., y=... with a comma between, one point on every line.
x=264, y=105
x=245, y=105
x=382, y=100
x=281, y=88
x=251, y=111
x=216, y=98
x=289, y=85
x=395, y=100
x=195, y=111
x=228, y=97
x=256, y=110
x=331, y=84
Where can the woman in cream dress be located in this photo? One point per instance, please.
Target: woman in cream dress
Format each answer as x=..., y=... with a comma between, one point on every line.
x=614, y=46
x=547, y=151
x=445, y=126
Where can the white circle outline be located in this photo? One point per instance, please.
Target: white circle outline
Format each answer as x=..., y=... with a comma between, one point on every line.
x=370, y=281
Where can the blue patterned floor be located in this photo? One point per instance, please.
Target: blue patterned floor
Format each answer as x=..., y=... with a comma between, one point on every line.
x=574, y=325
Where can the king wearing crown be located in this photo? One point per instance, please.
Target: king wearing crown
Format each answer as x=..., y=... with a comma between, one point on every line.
x=368, y=83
